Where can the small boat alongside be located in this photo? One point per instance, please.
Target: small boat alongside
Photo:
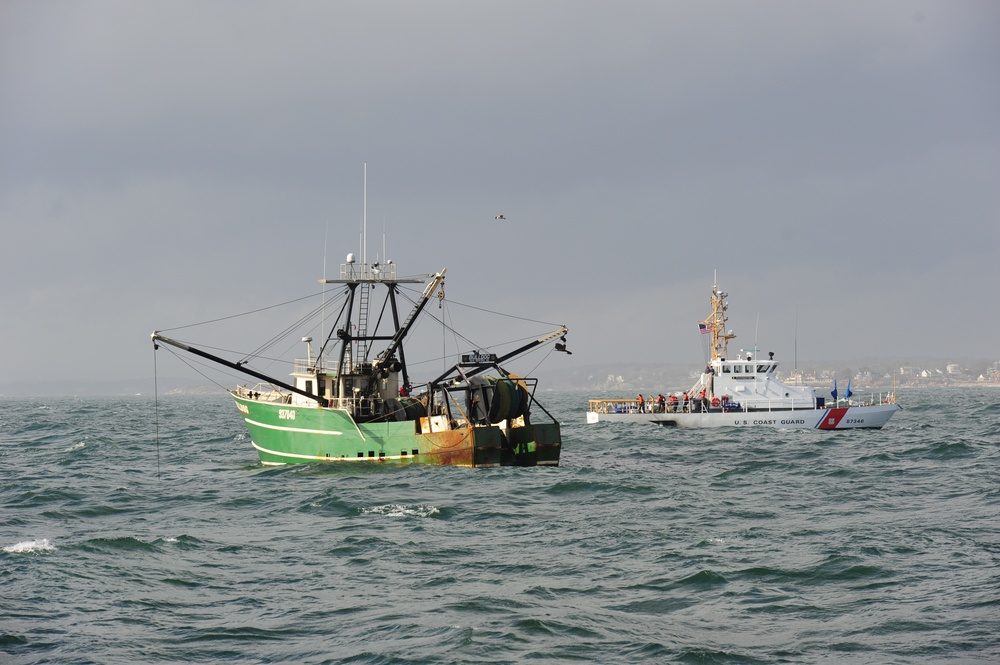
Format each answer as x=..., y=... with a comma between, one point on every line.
x=355, y=400
x=745, y=392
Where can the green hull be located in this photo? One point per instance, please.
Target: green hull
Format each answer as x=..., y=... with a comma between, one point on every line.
x=287, y=434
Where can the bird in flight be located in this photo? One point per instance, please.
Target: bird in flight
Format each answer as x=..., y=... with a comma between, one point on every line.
x=501, y=217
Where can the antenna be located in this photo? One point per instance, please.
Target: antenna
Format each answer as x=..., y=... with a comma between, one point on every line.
x=326, y=247
x=755, y=329
x=364, y=222
x=795, y=345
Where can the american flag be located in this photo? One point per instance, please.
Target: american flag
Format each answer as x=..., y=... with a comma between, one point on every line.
x=705, y=328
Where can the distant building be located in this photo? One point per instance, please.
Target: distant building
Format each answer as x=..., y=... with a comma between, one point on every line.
x=864, y=377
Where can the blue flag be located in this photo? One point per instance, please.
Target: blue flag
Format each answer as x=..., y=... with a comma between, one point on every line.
x=834, y=391
x=848, y=393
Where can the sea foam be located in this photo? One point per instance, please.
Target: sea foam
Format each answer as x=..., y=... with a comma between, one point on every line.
x=30, y=547
x=397, y=510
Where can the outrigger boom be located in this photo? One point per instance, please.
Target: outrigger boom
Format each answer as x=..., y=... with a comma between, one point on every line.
x=239, y=367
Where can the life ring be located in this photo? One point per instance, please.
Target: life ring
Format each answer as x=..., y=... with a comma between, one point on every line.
x=716, y=402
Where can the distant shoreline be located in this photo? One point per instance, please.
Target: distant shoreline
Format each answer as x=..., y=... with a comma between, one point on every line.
x=610, y=378
x=206, y=391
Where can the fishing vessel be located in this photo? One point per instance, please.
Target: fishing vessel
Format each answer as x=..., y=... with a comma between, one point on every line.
x=745, y=391
x=355, y=399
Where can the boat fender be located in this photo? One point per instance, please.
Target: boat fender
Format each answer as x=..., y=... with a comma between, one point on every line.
x=716, y=402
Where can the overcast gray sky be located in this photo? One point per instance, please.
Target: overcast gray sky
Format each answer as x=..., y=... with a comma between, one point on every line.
x=837, y=164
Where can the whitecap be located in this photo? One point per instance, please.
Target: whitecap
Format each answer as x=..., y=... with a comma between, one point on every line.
x=399, y=510
x=30, y=547
x=76, y=447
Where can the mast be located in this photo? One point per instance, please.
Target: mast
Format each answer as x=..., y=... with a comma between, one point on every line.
x=716, y=324
x=365, y=278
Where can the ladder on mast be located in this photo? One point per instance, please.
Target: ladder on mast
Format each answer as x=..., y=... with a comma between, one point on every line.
x=361, y=338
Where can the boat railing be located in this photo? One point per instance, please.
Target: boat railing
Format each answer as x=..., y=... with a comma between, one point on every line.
x=310, y=365
x=874, y=399
x=781, y=404
x=359, y=405
x=626, y=406
x=614, y=405
x=262, y=392
x=378, y=408
x=800, y=404
x=368, y=271
x=633, y=405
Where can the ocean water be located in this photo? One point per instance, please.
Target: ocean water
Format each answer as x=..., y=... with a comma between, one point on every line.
x=645, y=545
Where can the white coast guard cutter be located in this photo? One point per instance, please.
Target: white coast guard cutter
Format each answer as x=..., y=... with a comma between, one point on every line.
x=745, y=392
